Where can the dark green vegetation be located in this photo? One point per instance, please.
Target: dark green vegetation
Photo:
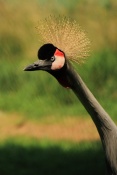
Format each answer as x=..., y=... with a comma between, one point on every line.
x=32, y=157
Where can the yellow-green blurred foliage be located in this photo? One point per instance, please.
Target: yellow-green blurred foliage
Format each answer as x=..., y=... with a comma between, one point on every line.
x=19, y=42
x=19, y=18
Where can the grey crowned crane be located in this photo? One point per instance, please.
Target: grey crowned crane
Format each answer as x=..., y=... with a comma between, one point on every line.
x=53, y=59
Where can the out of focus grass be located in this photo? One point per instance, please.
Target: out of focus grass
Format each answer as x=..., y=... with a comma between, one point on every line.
x=29, y=156
x=37, y=94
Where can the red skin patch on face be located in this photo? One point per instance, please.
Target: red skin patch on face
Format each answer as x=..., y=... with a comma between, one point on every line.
x=58, y=53
x=63, y=79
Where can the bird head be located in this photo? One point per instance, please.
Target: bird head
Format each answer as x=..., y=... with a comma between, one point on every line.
x=52, y=60
x=68, y=37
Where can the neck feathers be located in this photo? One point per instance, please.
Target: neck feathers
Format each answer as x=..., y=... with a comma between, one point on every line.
x=104, y=124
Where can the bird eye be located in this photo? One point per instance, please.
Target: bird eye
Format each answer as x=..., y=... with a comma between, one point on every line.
x=53, y=59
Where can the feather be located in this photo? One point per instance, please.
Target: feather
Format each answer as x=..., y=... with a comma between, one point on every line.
x=66, y=35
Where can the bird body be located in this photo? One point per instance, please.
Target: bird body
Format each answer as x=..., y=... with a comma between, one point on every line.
x=53, y=60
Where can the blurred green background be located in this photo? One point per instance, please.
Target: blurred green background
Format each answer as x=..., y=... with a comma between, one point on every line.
x=36, y=95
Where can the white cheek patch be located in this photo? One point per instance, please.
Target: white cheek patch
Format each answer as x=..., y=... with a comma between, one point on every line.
x=58, y=63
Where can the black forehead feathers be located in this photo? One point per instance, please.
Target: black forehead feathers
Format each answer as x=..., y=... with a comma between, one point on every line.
x=46, y=51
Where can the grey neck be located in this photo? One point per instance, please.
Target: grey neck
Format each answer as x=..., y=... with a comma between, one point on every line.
x=98, y=114
x=104, y=124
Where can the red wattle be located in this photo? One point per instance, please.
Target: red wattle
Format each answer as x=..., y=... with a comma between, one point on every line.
x=63, y=81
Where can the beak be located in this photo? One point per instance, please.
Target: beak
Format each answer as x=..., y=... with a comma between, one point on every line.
x=39, y=65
